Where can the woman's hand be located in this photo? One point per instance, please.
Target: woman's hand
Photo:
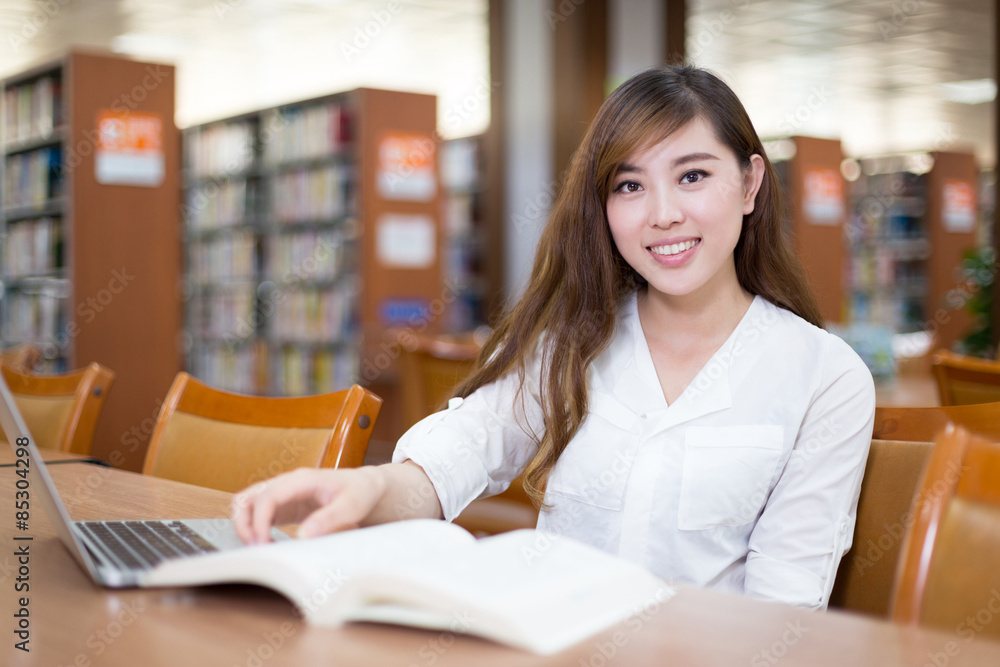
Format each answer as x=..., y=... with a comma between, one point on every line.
x=325, y=500
x=320, y=500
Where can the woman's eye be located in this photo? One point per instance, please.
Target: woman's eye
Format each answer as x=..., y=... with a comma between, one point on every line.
x=628, y=186
x=693, y=176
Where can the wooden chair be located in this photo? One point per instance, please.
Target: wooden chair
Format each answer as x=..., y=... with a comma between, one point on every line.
x=61, y=410
x=949, y=574
x=228, y=441
x=965, y=380
x=924, y=424
x=431, y=369
x=22, y=358
x=901, y=445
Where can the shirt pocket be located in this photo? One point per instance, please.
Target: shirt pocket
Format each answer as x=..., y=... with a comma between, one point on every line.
x=727, y=474
x=594, y=468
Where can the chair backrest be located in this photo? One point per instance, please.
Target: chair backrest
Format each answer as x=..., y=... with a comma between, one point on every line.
x=227, y=441
x=867, y=572
x=965, y=380
x=949, y=571
x=431, y=369
x=901, y=444
x=924, y=424
x=61, y=410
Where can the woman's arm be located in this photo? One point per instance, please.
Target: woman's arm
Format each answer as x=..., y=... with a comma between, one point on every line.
x=808, y=520
x=324, y=501
x=444, y=462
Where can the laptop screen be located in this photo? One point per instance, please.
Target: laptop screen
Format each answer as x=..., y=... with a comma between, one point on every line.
x=39, y=483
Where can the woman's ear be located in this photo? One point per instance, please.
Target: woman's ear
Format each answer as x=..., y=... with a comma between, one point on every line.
x=753, y=176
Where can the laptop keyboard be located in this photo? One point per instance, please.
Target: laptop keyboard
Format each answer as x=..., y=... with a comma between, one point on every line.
x=140, y=545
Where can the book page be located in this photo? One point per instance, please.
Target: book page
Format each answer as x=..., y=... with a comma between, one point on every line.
x=524, y=588
x=310, y=572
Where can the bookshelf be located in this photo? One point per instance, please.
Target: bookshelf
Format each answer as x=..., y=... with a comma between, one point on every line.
x=91, y=252
x=311, y=229
x=34, y=275
x=913, y=217
x=816, y=203
x=890, y=246
x=462, y=185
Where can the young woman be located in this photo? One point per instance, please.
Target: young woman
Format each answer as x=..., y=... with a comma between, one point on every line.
x=664, y=384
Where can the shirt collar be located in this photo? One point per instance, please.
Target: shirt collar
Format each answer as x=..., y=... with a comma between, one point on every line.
x=628, y=374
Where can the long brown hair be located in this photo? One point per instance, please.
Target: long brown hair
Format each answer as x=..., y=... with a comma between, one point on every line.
x=579, y=277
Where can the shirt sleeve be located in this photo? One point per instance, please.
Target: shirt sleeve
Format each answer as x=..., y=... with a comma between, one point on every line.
x=479, y=444
x=807, y=524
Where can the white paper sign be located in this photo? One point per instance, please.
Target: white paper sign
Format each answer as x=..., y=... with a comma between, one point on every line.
x=406, y=241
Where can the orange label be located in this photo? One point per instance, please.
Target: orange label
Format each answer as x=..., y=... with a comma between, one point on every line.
x=958, y=196
x=406, y=167
x=400, y=152
x=129, y=131
x=823, y=196
x=824, y=184
x=959, y=210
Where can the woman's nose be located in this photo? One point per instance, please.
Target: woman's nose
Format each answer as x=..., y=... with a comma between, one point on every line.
x=665, y=210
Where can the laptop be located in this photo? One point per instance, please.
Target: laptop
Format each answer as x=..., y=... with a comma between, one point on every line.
x=116, y=554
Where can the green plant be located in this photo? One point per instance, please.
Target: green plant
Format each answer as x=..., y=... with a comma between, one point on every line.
x=978, y=271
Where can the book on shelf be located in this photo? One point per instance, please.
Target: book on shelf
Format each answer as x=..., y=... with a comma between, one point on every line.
x=225, y=313
x=890, y=250
x=526, y=589
x=33, y=248
x=215, y=205
x=219, y=150
x=224, y=259
x=307, y=132
x=232, y=364
x=37, y=315
x=314, y=315
x=302, y=370
x=308, y=256
x=307, y=195
x=32, y=110
x=33, y=178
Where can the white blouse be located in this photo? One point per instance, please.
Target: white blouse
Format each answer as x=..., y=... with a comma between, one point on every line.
x=748, y=482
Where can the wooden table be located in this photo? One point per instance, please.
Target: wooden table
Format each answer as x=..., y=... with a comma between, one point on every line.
x=7, y=457
x=73, y=622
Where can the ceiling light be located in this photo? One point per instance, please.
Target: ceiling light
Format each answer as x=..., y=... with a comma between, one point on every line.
x=850, y=170
x=779, y=150
x=974, y=91
x=146, y=45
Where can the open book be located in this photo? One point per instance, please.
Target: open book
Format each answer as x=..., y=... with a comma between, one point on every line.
x=527, y=589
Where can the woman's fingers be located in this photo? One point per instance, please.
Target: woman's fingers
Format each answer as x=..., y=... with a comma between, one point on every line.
x=284, y=499
x=242, y=511
x=348, y=505
x=324, y=500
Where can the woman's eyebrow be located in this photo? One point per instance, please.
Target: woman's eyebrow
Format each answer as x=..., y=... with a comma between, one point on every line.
x=626, y=168
x=693, y=157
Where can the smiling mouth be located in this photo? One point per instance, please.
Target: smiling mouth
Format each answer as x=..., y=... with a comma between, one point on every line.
x=673, y=249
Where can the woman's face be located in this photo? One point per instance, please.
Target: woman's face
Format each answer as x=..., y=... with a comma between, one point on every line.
x=676, y=210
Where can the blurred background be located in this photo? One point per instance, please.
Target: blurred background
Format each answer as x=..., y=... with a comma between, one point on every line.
x=279, y=196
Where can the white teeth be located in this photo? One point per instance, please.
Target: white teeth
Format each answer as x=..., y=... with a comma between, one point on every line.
x=673, y=249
